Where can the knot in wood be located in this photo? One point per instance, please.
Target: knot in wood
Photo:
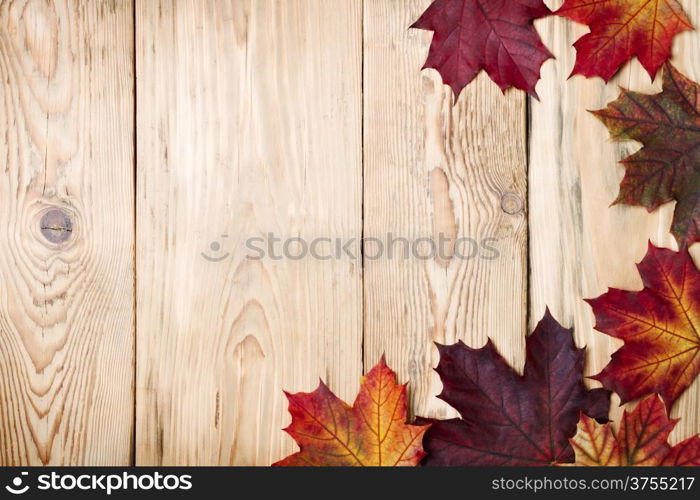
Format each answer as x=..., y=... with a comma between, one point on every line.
x=56, y=226
x=512, y=203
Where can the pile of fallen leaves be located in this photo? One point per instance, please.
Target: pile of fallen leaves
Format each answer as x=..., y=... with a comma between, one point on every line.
x=547, y=416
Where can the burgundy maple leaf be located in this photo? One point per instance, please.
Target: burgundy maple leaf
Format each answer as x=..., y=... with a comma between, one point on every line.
x=508, y=419
x=495, y=35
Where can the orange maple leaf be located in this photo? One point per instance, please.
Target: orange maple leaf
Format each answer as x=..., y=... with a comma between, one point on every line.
x=660, y=326
x=621, y=29
x=641, y=440
x=373, y=432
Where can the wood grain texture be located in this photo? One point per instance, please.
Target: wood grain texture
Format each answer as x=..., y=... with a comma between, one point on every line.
x=431, y=168
x=66, y=302
x=249, y=119
x=579, y=245
x=301, y=119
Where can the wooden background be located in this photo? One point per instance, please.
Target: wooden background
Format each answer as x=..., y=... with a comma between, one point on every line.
x=165, y=129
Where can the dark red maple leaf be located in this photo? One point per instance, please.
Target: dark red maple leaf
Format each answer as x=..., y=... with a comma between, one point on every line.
x=495, y=35
x=508, y=419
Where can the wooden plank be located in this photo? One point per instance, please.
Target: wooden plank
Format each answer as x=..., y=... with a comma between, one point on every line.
x=66, y=226
x=249, y=119
x=432, y=168
x=579, y=245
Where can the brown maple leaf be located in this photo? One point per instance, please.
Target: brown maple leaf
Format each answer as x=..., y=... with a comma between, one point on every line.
x=667, y=168
x=641, y=440
x=373, y=432
x=660, y=326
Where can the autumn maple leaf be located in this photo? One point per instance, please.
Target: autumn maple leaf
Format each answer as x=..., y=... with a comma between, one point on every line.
x=508, y=419
x=667, y=168
x=641, y=440
x=495, y=35
x=660, y=326
x=621, y=29
x=372, y=432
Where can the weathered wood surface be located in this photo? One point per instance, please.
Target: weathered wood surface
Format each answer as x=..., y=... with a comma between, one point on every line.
x=431, y=168
x=249, y=119
x=66, y=232
x=304, y=119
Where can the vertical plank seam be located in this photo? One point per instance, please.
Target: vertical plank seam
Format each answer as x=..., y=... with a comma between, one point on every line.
x=362, y=184
x=528, y=263
x=135, y=235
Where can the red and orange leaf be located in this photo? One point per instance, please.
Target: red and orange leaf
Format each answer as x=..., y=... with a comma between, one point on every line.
x=667, y=168
x=495, y=35
x=509, y=419
x=641, y=440
x=622, y=29
x=660, y=326
x=373, y=432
